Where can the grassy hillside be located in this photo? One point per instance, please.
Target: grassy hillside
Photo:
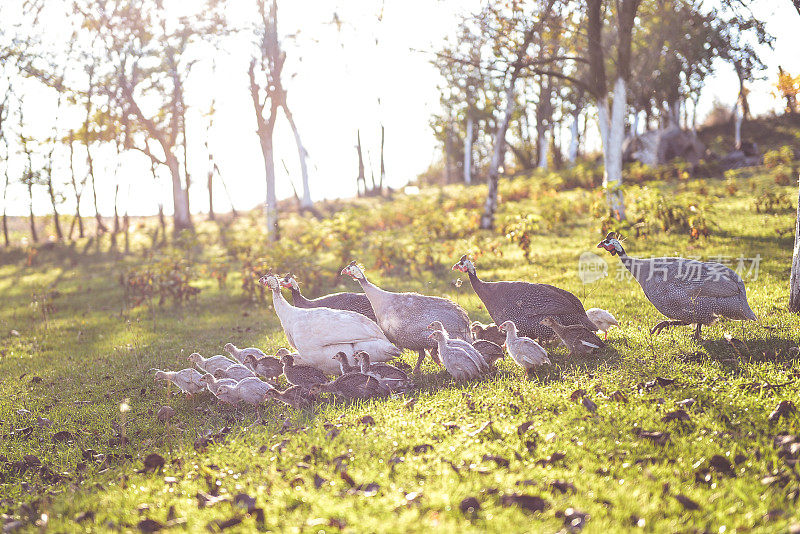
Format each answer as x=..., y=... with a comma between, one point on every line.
x=596, y=443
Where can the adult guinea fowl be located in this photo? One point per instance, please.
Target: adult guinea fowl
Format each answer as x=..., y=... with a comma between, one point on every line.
x=686, y=291
x=357, y=302
x=319, y=333
x=404, y=317
x=525, y=303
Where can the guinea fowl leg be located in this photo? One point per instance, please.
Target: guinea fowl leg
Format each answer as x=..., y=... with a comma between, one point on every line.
x=419, y=361
x=666, y=324
x=697, y=332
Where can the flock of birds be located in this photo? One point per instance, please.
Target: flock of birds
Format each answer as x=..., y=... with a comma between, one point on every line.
x=352, y=335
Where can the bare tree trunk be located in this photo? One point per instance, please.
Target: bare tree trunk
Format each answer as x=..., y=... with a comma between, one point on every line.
x=544, y=114
x=180, y=196
x=490, y=207
x=794, y=278
x=34, y=235
x=572, y=153
x=78, y=192
x=469, y=142
x=383, y=163
x=5, y=206
x=54, y=201
x=737, y=126
x=209, y=185
x=612, y=135
x=305, y=202
x=361, y=180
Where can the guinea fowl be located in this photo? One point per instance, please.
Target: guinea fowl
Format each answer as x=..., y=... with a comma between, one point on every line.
x=251, y=390
x=227, y=394
x=379, y=370
x=404, y=317
x=489, y=332
x=357, y=302
x=240, y=354
x=236, y=371
x=526, y=352
x=578, y=339
x=602, y=319
x=304, y=376
x=490, y=351
x=344, y=365
x=455, y=359
x=187, y=380
x=352, y=386
x=209, y=365
x=213, y=383
x=294, y=396
x=686, y=291
x=268, y=367
x=525, y=303
x=466, y=346
x=319, y=333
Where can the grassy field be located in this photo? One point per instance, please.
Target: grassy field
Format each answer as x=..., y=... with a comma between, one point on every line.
x=505, y=453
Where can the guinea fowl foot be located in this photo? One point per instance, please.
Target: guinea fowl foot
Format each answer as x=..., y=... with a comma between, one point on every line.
x=666, y=324
x=696, y=335
x=418, y=366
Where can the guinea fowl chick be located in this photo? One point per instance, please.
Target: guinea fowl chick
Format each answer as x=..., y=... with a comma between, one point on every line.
x=455, y=359
x=577, y=338
x=351, y=385
x=466, y=346
x=526, y=352
x=236, y=371
x=304, y=376
x=240, y=354
x=344, y=365
x=294, y=396
x=187, y=380
x=490, y=351
x=227, y=394
x=252, y=390
x=267, y=367
x=209, y=365
x=212, y=383
x=378, y=370
x=602, y=319
x=489, y=332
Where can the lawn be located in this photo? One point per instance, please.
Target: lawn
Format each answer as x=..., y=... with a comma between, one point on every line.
x=662, y=434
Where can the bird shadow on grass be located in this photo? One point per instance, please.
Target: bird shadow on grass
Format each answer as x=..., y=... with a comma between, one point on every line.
x=734, y=353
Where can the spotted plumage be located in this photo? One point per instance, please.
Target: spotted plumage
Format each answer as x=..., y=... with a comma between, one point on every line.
x=525, y=304
x=357, y=302
x=578, y=339
x=687, y=291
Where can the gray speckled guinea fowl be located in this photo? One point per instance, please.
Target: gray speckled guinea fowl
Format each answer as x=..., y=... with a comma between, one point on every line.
x=404, y=317
x=301, y=375
x=687, y=291
x=525, y=304
x=357, y=302
x=578, y=339
x=351, y=385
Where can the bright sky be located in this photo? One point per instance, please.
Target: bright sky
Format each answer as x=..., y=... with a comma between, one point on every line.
x=339, y=80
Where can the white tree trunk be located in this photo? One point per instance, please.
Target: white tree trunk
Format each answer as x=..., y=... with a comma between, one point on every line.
x=468, y=143
x=542, y=141
x=487, y=219
x=635, y=125
x=305, y=202
x=794, y=277
x=180, y=196
x=737, y=127
x=572, y=154
x=612, y=134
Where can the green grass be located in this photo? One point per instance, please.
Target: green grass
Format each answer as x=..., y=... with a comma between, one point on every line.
x=78, y=362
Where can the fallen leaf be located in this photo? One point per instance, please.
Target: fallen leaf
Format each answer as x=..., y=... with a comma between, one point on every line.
x=149, y=525
x=333, y=432
x=499, y=460
x=532, y=503
x=553, y=458
x=722, y=465
x=521, y=429
x=206, y=500
x=410, y=403
x=686, y=403
x=87, y=515
x=218, y=525
x=43, y=422
x=422, y=448
x=663, y=382
x=783, y=409
x=245, y=501
x=574, y=520
x=319, y=481
x=62, y=436
x=31, y=460
x=659, y=438
x=563, y=486
x=577, y=394
x=153, y=462
x=677, y=415
x=589, y=404
x=687, y=503
x=165, y=413
x=619, y=396
x=480, y=429
x=278, y=447
x=367, y=420
x=469, y=505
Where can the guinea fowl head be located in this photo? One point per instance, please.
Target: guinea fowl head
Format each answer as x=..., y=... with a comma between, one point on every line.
x=230, y=348
x=611, y=243
x=287, y=360
x=464, y=265
x=270, y=281
x=354, y=270
x=340, y=357
x=436, y=325
x=290, y=282
x=250, y=359
x=220, y=373
x=160, y=375
x=550, y=321
x=283, y=351
x=207, y=378
x=438, y=335
x=507, y=326
x=361, y=357
x=195, y=357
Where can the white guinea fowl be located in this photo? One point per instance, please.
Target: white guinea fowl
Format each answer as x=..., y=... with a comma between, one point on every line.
x=467, y=347
x=251, y=390
x=187, y=380
x=236, y=371
x=240, y=354
x=602, y=319
x=227, y=394
x=526, y=352
x=319, y=333
x=455, y=359
x=209, y=365
x=212, y=383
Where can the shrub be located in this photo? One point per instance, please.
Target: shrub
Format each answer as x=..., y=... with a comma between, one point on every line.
x=773, y=202
x=520, y=230
x=782, y=156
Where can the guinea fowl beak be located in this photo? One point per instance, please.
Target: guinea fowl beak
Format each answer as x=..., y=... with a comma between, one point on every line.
x=601, y=244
